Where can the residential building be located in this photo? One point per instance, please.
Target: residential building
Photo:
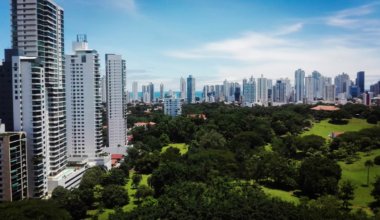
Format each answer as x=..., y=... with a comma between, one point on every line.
x=183, y=88
x=299, y=87
x=342, y=83
x=161, y=91
x=329, y=93
x=116, y=114
x=151, y=92
x=190, y=89
x=280, y=91
x=262, y=91
x=35, y=32
x=103, y=88
x=309, y=89
x=13, y=166
x=135, y=93
x=375, y=89
x=249, y=91
x=172, y=106
x=83, y=101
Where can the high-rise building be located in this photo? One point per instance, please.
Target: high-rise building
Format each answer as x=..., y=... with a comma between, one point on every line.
x=280, y=91
x=6, y=89
x=145, y=94
x=270, y=90
x=13, y=166
x=161, y=91
x=360, y=80
x=135, y=91
x=299, y=87
x=329, y=93
x=117, y=120
x=172, y=106
x=309, y=89
x=103, y=88
x=37, y=30
x=83, y=101
x=342, y=85
x=249, y=90
x=262, y=91
x=190, y=89
x=375, y=89
x=183, y=88
x=151, y=92
x=317, y=84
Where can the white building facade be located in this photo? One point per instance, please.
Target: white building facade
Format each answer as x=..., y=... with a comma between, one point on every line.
x=83, y=102
x=116, y=114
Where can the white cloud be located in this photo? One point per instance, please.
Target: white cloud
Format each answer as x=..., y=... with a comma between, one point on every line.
x=290, y=29
x=129, y=6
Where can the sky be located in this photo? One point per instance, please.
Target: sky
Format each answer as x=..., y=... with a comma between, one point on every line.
x=214, y=40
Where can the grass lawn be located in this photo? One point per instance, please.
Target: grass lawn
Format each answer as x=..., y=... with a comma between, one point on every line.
x=183, y=148
x=281, y=194
x=131, y=193
x=357, y=173
x=324, y=128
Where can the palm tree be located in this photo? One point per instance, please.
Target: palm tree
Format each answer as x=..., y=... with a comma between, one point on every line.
x=368, y=164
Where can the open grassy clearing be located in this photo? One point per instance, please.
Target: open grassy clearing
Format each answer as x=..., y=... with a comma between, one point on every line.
x=324, y=128
x=357, y=173
x=281, y=194
x=183, y=148
x=131, y=192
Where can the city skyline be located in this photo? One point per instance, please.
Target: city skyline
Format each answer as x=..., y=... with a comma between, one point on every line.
x=162, y=41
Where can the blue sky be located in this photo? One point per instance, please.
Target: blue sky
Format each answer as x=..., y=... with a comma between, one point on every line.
x=214, y=40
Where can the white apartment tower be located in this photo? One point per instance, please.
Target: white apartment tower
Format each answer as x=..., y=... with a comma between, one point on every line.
x=37, y=30
x=262, y=91
x=309, y=89
x=249, y=90
x=83, y=101
x=183, y=88
x=117, y=121
x=103, y=83
x=135, y=94
x=299, y=88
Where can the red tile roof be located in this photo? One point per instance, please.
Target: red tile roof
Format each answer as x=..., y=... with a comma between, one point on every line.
x=325, y=108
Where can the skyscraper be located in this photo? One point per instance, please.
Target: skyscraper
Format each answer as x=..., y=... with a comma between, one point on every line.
x=151, y=92
x=262, y=91
x=309, y=89
x=183, y=88
x=84, y=104
x=299, y=87
x=249, y=90
x=117, y=121
x=13, y=166
x=279, y=91
x=37, y=30
x=190, y=89
x=360, y=80
x=342, y=85
x=103, y=83
x=135, y=91
x=161, y=91
x=317, y=84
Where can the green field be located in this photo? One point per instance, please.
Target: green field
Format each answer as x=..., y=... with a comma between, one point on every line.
x=281, y=194
x=183, y=148
x=324, y=128
x=131, y=193
x=357, y=173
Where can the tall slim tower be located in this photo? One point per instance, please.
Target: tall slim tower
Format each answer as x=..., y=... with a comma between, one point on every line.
x=117, y=121
x=183, y=88
x=309, y=89
x=299, y=81
x=161, y=91
x=360, y=78
x=190, y=89
x=135, y=91
x=37, y=30
x=151, y=92
x=262, y=90
x=84, y=104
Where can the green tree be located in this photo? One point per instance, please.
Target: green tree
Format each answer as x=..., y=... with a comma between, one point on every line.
x=92, y=177
x=212, y=140
x=319, y=176
x=60, y=195
x=136, y=179
x=115, y=176
x=32, y=209
x=164, y=139
x=368, y=164
x=143, y=191
x=346, y=193
x=114, y=196
x=376, y=191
